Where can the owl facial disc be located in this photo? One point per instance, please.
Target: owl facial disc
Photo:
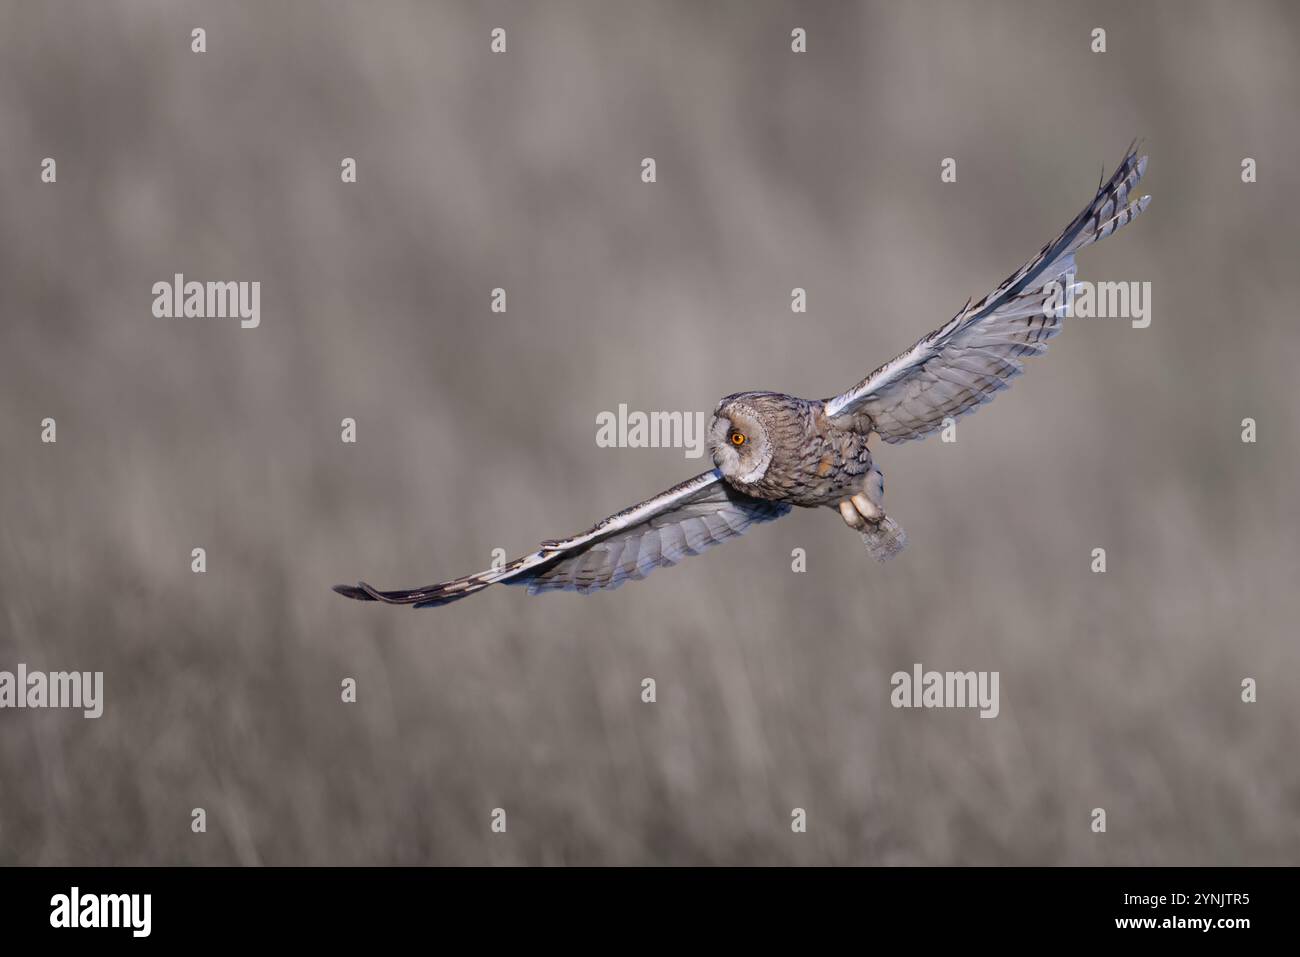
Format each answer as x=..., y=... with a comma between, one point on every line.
x=739, y=443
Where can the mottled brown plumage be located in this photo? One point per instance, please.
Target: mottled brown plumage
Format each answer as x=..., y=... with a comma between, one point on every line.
x=813, y=462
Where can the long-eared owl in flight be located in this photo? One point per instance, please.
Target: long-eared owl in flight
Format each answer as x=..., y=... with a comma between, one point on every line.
x=773, y=451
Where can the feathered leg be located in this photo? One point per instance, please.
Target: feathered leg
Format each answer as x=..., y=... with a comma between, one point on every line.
x=882, y=535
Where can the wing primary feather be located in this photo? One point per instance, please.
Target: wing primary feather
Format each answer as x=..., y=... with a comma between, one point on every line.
x=986, y=340
x=685, y=520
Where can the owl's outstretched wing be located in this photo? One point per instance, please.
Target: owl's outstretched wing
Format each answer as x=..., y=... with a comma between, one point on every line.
x=964, y=363
x=685, y=520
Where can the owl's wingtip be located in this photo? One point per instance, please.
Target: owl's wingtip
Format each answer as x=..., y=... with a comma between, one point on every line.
x=354, y=591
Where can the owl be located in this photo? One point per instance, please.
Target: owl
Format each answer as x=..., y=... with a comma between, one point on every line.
x=773, y=452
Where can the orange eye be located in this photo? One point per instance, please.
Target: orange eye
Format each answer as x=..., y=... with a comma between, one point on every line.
x=737, y=438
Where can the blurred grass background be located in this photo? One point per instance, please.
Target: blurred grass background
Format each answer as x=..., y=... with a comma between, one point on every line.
x=476, y=431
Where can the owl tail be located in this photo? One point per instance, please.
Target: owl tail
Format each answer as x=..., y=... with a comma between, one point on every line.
x=884, y=539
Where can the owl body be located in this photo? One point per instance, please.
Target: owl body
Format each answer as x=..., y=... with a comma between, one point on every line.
x=782, y=448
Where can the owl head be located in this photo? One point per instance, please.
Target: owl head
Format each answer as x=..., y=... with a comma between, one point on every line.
x=739, y=437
